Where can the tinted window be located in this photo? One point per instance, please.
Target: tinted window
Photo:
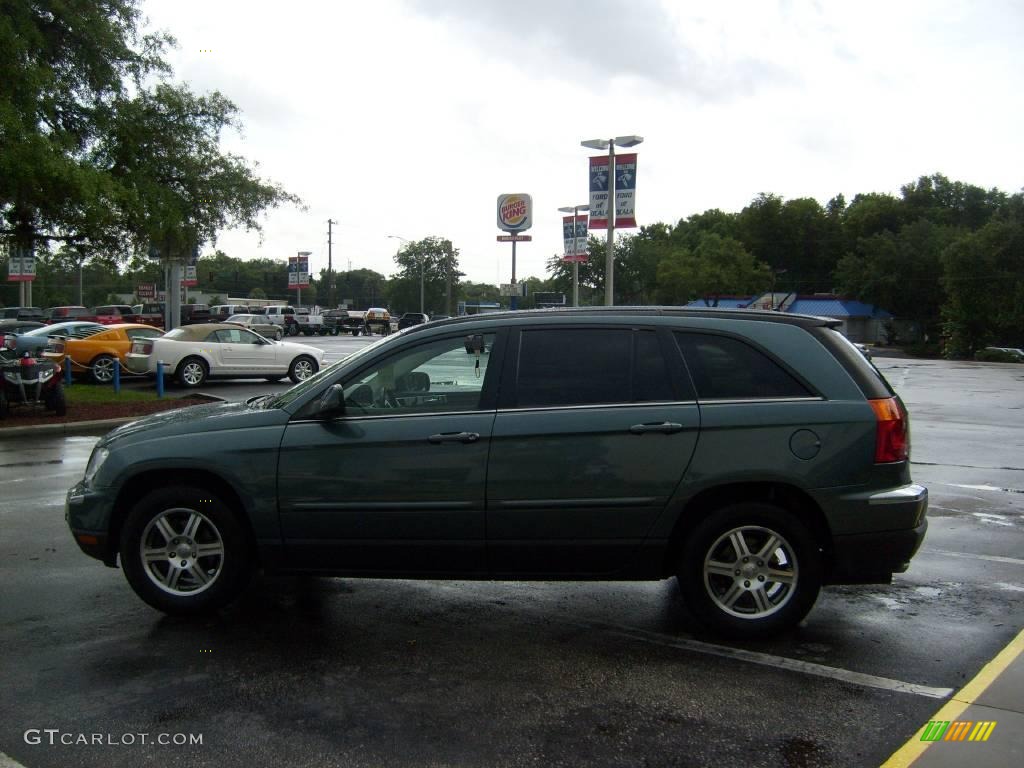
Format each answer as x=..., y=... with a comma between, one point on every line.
x=726, y=368
x=651, y=380
x=574, y=367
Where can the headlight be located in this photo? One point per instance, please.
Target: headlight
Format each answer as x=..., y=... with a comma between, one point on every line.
x=95, y=462
x=45, y=376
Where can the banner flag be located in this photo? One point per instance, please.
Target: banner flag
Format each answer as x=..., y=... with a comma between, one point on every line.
x=575, y=238
x=625, y=191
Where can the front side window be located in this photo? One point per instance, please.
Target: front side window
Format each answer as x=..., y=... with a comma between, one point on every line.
x=724, y=368
x=437, y=377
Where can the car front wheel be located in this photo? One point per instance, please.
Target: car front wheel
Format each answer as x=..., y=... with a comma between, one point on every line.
x=183, y=550
x=750, y=570
x=302, y=368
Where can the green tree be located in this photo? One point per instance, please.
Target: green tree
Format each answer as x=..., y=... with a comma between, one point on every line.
x=718, y=266
x=900, y=272
x=434, y=260
x=983, y=274
x=63, y=65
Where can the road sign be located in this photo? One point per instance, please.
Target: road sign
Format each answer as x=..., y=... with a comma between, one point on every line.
x=515, y=212
x=512, y=289
x=514, y=238
x=146, y=290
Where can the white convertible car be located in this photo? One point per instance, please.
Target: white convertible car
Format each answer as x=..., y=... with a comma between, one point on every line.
x=195, y=353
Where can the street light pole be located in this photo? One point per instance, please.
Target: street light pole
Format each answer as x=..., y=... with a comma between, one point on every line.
x=609, y=261
x=575, y=251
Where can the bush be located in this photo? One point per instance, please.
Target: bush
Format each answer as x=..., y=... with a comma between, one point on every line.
x=996, y=356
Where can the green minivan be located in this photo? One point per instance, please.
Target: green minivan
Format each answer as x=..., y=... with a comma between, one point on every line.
x=755, y=456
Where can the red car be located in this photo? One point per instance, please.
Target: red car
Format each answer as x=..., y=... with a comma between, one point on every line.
x=64, y=314
x=114, y=313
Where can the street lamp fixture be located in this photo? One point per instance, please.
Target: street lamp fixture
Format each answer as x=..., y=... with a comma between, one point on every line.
x=396, y=237
x=609, y=262
x=575, y=211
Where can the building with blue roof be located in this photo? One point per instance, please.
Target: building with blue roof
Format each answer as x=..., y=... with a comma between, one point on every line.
x=860, y=322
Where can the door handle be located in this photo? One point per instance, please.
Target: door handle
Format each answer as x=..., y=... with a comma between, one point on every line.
x=668, y=427
x=454, y=437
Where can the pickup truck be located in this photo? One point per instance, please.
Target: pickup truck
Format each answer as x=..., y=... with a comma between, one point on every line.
x=150, y=314
x=344, y=321
x=294, y=320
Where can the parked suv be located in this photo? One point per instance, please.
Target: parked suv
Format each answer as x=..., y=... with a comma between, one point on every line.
x=755, y=456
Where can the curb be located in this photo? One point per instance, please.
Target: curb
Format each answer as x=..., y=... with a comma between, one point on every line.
x=94, y=427
x=91, y=427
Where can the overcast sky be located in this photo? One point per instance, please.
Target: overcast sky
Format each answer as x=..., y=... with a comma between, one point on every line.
x=409, y=117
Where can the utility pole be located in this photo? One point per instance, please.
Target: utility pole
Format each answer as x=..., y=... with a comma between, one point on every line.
x=330, y=267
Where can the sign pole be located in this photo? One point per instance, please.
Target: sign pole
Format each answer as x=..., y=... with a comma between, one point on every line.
x=514, y=299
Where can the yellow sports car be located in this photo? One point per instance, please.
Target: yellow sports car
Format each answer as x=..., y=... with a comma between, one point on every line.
x=96, y=354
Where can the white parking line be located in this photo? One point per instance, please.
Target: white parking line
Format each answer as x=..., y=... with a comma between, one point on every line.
x=6, y=762
x=767, y=660
x=971, y=556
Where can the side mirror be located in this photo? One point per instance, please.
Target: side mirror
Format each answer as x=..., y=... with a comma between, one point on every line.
x=332, y=403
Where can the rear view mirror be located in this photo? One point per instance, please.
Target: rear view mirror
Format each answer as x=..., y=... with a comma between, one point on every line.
x=475, y=344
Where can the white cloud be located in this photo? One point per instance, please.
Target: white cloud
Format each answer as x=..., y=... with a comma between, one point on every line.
x=410, y=118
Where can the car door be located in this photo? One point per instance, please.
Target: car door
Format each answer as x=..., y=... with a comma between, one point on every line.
x=594, y=432
x=395, y=485
x=242, y=351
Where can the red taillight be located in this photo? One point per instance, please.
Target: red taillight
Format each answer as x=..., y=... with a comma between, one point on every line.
x=892, y=438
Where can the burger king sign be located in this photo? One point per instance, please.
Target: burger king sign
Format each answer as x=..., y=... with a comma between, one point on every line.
x=515, y=212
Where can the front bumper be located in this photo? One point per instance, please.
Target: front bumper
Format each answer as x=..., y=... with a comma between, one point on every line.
x=873, y=557
x=87, y=513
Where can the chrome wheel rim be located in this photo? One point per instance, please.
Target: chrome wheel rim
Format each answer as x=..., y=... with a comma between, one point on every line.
x=182, y=551
x=192, y=373
x=750, y=572
x=303, y=370
x=103, y=369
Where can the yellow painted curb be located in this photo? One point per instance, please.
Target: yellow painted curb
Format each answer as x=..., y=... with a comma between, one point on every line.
x=913, y=749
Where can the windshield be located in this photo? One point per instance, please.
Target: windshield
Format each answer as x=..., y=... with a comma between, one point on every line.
x=313, y=382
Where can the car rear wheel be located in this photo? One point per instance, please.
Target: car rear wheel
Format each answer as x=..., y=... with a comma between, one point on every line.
x=102, y=369
x=355, y=331
x=277, y=335
x=192, y=372
x=183, y=550
x=750, y=570
x=302, y=368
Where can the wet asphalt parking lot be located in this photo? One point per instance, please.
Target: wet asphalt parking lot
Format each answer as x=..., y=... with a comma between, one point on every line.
x=342, y=672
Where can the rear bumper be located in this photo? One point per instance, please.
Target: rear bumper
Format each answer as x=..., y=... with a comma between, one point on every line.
x=872, y=558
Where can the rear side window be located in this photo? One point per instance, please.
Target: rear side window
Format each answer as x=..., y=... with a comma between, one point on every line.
x=577, y=366
x=724, y=368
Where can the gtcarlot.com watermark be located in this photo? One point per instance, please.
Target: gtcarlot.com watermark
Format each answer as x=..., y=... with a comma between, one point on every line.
x=56, y=737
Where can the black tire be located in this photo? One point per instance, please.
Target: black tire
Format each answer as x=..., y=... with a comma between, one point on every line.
x=56, y=401
x=192, y=372
x=5, y=407
x=101, y=369
x=293, y=329
x=739, y=597
x=198, y=520
x=278, y=335
x=302, y=368
x=355, y=332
